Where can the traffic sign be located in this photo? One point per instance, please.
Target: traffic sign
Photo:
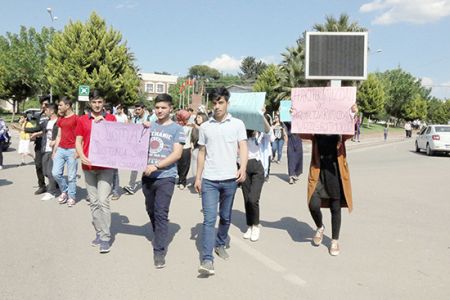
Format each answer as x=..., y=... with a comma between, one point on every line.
x=83, y=93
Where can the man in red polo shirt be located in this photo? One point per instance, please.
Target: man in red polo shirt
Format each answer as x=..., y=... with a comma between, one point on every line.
x=64, y=153
x=98, y=179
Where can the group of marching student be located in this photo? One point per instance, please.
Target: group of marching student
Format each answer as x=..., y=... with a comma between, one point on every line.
x=224, y=154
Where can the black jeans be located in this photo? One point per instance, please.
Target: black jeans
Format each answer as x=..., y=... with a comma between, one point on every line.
x=251, y=189
x=158, y=194
x=47, y=166
x=183, y=166
x=1, y=153
x=335, y=208
x=38, y=164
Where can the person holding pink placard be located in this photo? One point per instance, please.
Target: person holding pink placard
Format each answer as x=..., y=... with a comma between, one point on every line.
x=99, y=180
x=329, y=183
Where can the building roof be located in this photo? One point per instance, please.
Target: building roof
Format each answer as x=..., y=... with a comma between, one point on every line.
x=239, y=88
x=159, y=77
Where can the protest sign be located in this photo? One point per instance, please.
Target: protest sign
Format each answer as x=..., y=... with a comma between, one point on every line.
x=285, y=114
x=323, y=110
x=119, y=146
x=248, y=107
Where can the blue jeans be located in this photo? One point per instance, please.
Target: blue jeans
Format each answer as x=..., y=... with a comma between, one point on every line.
x=62, y=157
x=277, y=147
x=216, y=193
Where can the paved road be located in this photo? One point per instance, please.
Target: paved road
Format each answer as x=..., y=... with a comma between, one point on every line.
x=395, y=245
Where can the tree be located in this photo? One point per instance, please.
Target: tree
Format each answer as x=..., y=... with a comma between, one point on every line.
x=267, y=82
x=22, y=59
x=203, y=72
x=405, y=96
x=251, y=69
x=438, y=111
x=342, y=24
x=415, y=109
x=94, y=55
x=224, y=80
x=371, y=97
x=292, y=71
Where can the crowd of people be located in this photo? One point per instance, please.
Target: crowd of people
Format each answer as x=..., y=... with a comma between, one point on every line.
x=220, y=151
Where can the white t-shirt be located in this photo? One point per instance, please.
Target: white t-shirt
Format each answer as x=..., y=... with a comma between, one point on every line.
x=48, y=134
x=254, y=145
x=122, y=118
x=187, y=133
x=221, y=141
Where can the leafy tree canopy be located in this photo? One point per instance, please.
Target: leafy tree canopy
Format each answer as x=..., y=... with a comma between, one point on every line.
x=251, y=69
x=370, y=96
x=203, y=72
x=94, y=55
x=22, y=59
x=267, y=82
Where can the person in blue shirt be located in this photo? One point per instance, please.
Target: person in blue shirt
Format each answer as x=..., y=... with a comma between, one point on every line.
x=158, y=181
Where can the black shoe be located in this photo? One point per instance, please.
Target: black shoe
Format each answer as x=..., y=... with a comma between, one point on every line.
x=40, y=190
x=160, y=261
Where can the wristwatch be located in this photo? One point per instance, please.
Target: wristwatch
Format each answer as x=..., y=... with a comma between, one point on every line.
x=157, y=166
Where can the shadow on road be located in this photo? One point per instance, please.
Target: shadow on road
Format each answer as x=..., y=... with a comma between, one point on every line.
x=196, y=236
x=120, y=224
x=298, y=231
x=282, y=176
x=435, y=154
x=5, y=182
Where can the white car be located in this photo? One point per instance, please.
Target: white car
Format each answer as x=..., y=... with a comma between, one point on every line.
x=434, y=138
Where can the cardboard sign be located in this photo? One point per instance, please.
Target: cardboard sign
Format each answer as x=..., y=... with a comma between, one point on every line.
x=323, y=110
x=285, y=114
x=249, y=108
x=119, y=146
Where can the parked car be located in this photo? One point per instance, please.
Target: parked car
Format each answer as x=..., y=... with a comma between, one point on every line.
x=34, y=113
x=433, y=139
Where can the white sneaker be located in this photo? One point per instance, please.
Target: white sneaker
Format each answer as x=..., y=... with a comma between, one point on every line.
x=255, y=233
x=248, y=234
x=334, y=248
x=47, y=197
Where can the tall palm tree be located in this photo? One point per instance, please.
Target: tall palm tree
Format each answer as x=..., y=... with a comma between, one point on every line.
x=338, y=25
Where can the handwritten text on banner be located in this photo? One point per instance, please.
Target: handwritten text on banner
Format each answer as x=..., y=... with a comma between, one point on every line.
x=119, y=146
x=323, y=110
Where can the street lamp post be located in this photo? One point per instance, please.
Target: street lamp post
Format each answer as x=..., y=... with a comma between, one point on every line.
x=54, y=18
x=50, y=12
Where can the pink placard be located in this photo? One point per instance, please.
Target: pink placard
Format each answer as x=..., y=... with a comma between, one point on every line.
x=119, y=146
x=323, y=110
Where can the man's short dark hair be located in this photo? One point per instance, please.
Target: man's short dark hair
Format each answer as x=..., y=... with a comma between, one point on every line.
x=139, y=104
x=44, y=98
x=220, y=92
x=108, y=107
x=190, y=110
x=66, y=100
x=164, y=98
x=96, y=94
x=53, y=106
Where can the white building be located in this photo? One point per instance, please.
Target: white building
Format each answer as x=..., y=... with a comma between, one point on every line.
x=154, y=84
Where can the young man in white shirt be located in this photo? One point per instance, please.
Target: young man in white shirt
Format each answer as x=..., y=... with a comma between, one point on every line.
x=218, y=176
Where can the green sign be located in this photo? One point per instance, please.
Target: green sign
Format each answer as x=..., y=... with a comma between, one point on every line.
x=83, y=93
